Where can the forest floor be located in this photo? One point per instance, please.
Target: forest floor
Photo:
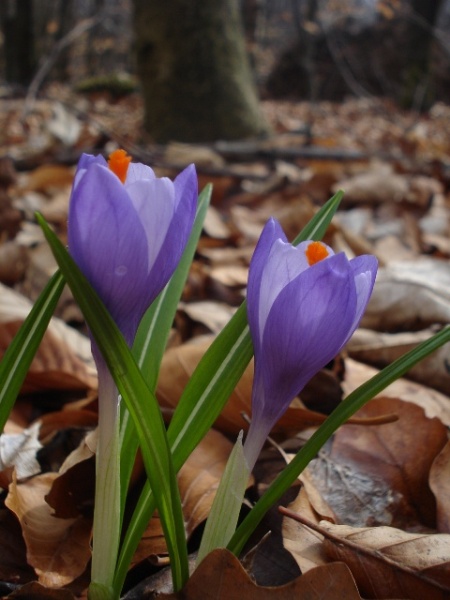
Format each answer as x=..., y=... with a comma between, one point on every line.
x=376, y=498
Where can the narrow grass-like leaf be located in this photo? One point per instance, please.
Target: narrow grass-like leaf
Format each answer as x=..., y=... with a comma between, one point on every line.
x=141, y=404
x=18, y=357
x=224, y=514
x=339, y=416
x=209, y=388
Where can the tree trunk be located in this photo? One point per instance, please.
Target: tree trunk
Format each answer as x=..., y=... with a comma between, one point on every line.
x=18, y=33
x=194, y=70
x=417, y=84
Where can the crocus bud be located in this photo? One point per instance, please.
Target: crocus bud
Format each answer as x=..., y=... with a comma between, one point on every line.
x=127, y=231
x=304, y=303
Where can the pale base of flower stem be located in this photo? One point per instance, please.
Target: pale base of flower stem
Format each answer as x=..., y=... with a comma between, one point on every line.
x=97, y=591
x=106, y=529
x=224, y=515
x=256, y=437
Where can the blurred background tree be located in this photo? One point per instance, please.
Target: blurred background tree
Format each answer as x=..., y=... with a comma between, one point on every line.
x=194, y=71
x=190, y=58
x=17, y=23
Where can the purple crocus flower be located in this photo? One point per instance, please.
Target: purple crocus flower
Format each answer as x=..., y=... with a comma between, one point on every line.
x=304, y=303
x=127, y=231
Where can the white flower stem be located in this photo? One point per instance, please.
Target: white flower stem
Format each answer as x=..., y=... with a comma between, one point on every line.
x=256, y=437
x=106, y=529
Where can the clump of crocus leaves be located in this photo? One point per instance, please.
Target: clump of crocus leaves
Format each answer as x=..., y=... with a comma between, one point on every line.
x=132, y=237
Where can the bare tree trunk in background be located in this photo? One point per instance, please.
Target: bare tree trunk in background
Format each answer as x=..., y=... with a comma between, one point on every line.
x=18, y=35
x=195, y=73
x=416, y=77
x=65, y=19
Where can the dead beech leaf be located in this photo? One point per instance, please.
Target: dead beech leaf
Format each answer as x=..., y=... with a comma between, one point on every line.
x=303, y=543
x=13, y=563
x=379, y=475
x=19, y=450
x=432, y=402
x=410, y=295
x=35, y=591
x=440, y=485
x=48, y=177
x=55, y=366
x=381, y=349
x=57, y=549
x=221, y=576
x=388, y=562
x=200, y=475
x=14, y=307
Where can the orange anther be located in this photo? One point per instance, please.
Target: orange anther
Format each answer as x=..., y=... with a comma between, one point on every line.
x=315, y=252
x=118, y=162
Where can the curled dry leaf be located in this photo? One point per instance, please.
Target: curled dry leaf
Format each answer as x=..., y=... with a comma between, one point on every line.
x=57, y=549
x=36, y=591
x=221, y=576
x=14, y=307
x=381, y=349
x=433, y=403
x=19, y=450
x=410, y=295
x=440, y=485
x=379, y=475
x=55, y=366
x=387, y=562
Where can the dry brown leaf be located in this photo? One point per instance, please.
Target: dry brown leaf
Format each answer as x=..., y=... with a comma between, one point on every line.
x=48, y=177
x=14, y=307
x=18, y=450
x=55, y=366
x=36, y=591
x=388, y=562
x=13, y=562
x=379, y=475
x=440, y=485
x=222, y=577
x=214, y=315
x=433, y=403
x=199, y=477
x=381, y=349
x=410, y=295
x=57, y=549
x=302, y=542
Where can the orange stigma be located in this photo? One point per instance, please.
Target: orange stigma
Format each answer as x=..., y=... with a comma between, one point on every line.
x=119, y=162
x=315, y=252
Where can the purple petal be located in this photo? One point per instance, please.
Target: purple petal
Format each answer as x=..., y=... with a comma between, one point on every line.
x=102, y=222
x=85, y=161
x=137, y=172
x=186, y=195
x=154, y=202
x=305, y=329
x=270, y=234
x=364, y=271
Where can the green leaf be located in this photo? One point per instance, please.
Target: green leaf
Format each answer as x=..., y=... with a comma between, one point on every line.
x=141, y=404
x=18, y=357
x=210, y=386
x=224, y=514
x=339, y=416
